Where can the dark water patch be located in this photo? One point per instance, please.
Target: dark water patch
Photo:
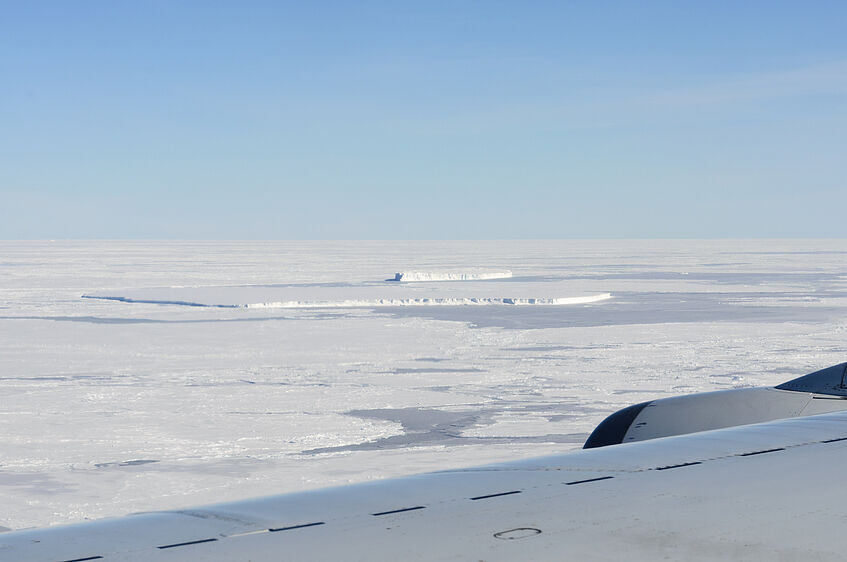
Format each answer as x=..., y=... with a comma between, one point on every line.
x=404, y=371
x=440, y=388
x=429, y=426
x=420, y=419
x=406, y=441
x=163, y=302
x=138, y=462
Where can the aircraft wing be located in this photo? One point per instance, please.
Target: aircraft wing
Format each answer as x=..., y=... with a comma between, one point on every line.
x=767, y=491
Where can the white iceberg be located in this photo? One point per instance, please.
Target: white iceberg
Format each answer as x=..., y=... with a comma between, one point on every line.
x=433, y=301
x=476, y=275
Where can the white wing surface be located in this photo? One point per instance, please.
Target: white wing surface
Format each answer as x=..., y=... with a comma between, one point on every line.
x=769, y=491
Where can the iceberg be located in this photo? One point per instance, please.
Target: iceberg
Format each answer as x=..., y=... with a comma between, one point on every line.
x=421, y=276
x=376, y=302
x=367, y=294
x=434, y=301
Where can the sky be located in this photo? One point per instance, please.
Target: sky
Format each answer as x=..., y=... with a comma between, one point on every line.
x=422, y=120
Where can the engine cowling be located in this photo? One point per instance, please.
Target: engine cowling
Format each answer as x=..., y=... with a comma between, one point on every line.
x=817, y=393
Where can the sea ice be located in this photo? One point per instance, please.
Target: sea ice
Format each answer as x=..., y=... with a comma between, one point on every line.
x=113, y=407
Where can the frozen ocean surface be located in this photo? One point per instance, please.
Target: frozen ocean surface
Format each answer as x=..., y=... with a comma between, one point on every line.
x=143, y=400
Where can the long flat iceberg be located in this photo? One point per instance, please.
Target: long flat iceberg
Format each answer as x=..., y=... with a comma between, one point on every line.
x=480, y=293
x=468, y=301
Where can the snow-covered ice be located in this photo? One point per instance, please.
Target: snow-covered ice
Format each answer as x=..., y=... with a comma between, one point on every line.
x=112, y=407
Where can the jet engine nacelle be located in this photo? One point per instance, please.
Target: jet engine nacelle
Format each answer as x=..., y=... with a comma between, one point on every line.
x=817, y=393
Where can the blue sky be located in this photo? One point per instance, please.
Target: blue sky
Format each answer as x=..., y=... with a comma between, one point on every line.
x=428, y=120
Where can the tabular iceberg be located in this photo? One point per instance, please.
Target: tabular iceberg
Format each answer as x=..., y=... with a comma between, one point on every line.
x=418, y=276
